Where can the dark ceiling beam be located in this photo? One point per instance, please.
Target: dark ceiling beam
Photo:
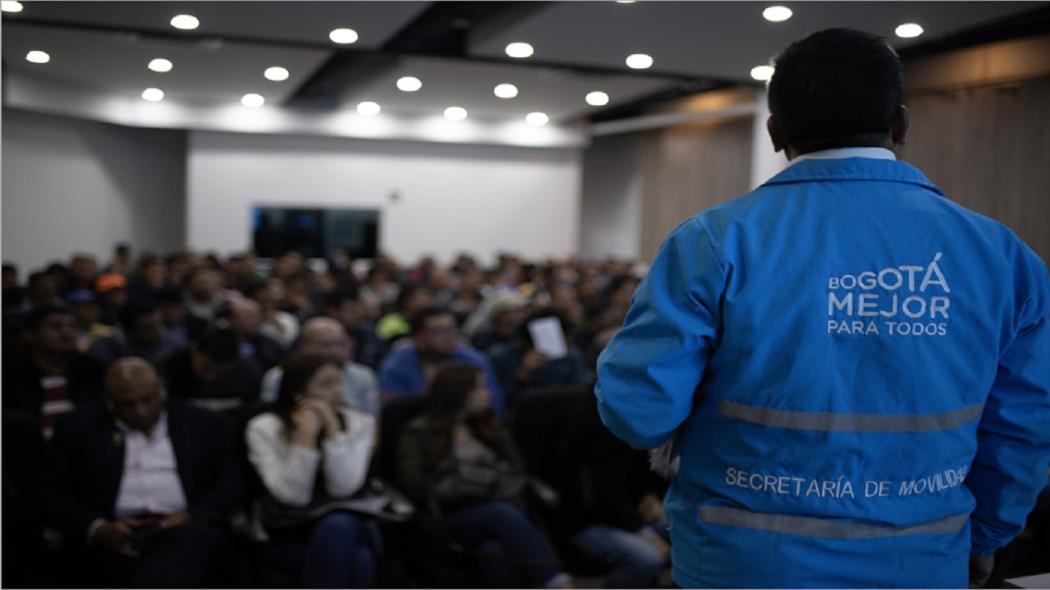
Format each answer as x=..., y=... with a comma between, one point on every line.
x=1025, y=24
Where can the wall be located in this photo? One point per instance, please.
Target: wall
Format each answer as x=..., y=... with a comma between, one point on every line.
x=449, y=198
x=79, y=186
x=988, y=149
x=690, y=168
x=612, y=198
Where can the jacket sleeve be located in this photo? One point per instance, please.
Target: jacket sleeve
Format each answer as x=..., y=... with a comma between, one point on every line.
x=650, y=369
x=1013, y=436
x=286, y=469
x=346, y=458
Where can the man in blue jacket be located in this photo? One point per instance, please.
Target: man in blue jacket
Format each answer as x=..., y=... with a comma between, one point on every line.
x=855, y=371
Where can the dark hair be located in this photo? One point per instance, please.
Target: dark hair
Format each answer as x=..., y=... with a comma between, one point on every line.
x=337, y=297
x=220, y=345
x=296, y=374
x=169, y=294
x=40, y=314
x=450, y=388
x=132, y=312
x=8, y=267
x=406, y=293
x=835, y=88
x=419, y=320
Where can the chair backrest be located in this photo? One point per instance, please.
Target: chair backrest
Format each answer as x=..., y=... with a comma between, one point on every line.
x=392, y=421
x=542, y=423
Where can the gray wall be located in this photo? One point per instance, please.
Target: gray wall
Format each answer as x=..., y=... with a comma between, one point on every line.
x=71, y=185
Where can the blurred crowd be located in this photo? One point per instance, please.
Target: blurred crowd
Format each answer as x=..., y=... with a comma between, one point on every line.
x=196, y=420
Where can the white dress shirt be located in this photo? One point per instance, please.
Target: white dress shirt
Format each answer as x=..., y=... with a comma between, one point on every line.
x=876, y=153
x=150, y=483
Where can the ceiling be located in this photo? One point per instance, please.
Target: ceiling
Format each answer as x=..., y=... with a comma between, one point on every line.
x=455, y=48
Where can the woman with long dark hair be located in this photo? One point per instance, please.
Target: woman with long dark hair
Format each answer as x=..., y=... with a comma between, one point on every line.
x=457, y=458
x=310, y=451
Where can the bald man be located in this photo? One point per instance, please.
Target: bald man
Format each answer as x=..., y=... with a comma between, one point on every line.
x=327, y=337
x=245, y=320
x=142, y=484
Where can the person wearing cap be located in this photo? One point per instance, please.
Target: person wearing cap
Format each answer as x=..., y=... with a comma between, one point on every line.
x=86, y=311
x=112, y=289
x=852, y=369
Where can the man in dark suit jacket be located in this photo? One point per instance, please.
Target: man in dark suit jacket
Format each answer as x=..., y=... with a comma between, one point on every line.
x=47, y=377
x=143, y=484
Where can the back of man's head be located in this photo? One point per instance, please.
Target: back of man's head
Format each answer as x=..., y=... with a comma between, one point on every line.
x=836, y=88
x=219, y=345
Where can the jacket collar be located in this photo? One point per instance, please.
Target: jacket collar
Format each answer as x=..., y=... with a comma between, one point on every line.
x=859, y=169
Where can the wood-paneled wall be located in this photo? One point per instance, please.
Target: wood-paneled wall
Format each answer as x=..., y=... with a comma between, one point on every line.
x=689, y=168
x=989, y=150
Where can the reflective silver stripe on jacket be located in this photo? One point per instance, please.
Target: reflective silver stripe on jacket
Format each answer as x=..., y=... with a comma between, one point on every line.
x=834, y=422
x=820, y=527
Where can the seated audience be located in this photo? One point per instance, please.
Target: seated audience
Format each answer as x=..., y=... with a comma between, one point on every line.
x=310, y=451
x=83, y=270
x=245, y=319
x=435, y=342
x=140, y=333
x=500, y=320
x=455, y=455
x=173, y=313
x=87, y=312
x=13, y=293
x=396, y=324
x=281, y=326
x=209, y=373
x=345, y=305
x=520, y=366
x=112, y=290
x=204, y=294
x=149, y=281
x=49, y=377
x=326, y=337
x=140, y=486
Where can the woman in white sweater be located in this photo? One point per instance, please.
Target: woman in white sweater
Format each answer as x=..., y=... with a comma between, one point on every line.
x=311, y=451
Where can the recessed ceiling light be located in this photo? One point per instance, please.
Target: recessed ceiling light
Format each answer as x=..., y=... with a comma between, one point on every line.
x=455, y=113
x=11, y=6
x=909, y=31
x=153, y=94
x=639, y=61
x=368, y=108
x=38, y=57
x=276, y=74
x=160, y=65
x=597, y=98
x=519, y=50
x=253, y=100
x=343, y=36
x=505, y=90
x=185, y=22
x=777, y=14
x=537, y=119
x=409, y=84
x=762, y=73
x=625, y=1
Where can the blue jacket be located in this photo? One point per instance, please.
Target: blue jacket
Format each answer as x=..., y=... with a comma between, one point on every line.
x=856, y=373
x=402, y=375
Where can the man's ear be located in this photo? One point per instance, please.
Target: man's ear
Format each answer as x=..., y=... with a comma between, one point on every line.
x=901, y=120
x=774, y=135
